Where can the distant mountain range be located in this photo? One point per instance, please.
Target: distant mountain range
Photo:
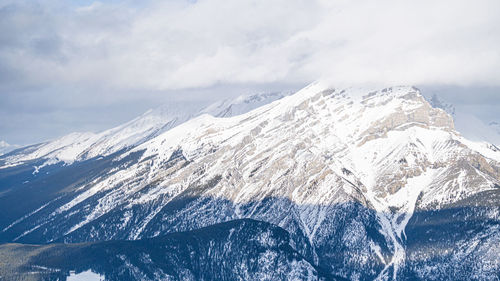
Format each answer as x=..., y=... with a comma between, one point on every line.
x=324, y=184
x=468, y=124
x=6, y=147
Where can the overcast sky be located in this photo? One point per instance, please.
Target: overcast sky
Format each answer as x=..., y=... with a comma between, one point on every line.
x=86, y=66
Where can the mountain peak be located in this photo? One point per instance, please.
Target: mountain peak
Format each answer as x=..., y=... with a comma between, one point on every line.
x=381, y=110
x=5, y=147
x=3, y=143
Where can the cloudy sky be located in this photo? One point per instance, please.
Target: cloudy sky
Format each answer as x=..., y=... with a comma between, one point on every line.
x=87, y=65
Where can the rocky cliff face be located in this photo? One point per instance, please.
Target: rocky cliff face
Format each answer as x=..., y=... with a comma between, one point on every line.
x=369, y=185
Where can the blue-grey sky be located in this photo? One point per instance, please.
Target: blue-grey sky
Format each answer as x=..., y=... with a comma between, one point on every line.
x=87, y=65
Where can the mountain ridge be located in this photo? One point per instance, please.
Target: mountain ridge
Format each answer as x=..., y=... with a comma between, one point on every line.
x=79, y=146
x=345, y=172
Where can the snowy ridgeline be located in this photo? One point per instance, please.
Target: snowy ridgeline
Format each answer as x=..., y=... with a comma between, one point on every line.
x=81, y=146
x=85, y=276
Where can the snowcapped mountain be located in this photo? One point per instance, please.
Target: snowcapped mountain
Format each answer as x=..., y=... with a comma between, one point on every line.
x=469, y=125
x=6, y=147
x=368, y=184
x=81, y=146
x=436, y=102
x=475, y=129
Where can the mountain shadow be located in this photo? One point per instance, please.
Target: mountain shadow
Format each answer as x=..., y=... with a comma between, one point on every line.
x=236, y=250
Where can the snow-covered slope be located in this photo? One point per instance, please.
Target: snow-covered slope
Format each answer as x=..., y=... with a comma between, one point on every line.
x=345, y=171
x=81, y=146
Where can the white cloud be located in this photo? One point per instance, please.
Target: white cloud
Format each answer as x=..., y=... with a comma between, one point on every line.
x=67, y=67
x=177, y=44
